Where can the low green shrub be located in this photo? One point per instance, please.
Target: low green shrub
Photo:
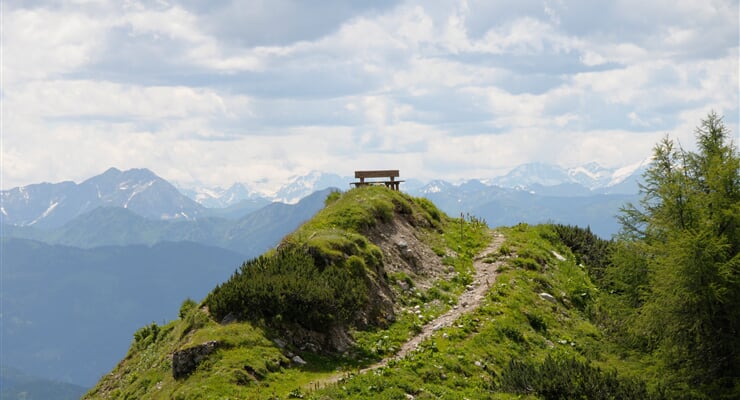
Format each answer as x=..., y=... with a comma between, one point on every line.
x=536, y=322
x=287, y=286
x=187, y=305
x=146, y=335
x=333, y=196
x=430, y=208
x=589, y=249
x=568, y=378
x=513, y=334
x=525, y=263
x=194, y=319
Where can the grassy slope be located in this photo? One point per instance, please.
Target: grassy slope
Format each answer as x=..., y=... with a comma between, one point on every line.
x=466, y=360
x=248, y=364
x=462, y=361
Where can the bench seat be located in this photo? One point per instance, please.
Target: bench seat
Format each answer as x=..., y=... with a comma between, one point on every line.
x=390, y=176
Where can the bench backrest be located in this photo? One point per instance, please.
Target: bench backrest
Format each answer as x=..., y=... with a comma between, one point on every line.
x=391, y=173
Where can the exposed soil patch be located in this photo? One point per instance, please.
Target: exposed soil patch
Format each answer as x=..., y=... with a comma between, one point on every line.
x=485, y=275
x=404, y=251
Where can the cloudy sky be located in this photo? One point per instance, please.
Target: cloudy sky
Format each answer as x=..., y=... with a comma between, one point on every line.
x=214, y=92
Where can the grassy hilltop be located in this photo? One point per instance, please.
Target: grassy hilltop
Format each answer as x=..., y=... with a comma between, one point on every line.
x=326, y=289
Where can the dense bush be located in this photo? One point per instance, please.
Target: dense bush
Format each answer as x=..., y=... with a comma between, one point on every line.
x=430, y=208
x=146, y=335
x=569, y=378
x=589, y=249
x=187, y=305
x=287, y=286
x=333, y=196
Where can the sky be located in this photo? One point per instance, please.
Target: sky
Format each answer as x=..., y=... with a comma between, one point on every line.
x=210, y=93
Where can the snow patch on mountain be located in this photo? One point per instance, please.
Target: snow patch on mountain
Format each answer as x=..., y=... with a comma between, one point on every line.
x=46, y=213
x=301, y=186
x=24, y=193
x=435, y=186
x=622, y=174
x=137, y=189
x=591, y=176
x=50, y=205
x=218, y=197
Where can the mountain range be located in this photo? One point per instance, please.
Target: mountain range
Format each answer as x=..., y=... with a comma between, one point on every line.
x=536, y=178
x=249, y=235
x=48, y=205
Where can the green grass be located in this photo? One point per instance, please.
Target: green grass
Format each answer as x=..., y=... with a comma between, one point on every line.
x=248, y=364
x=470, y=359
x=467, y=359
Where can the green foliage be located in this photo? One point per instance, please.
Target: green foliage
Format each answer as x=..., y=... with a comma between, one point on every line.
x=679, y=264
x=467, y=359
x=559, y=351
x=569, y=378
x=187, y=305
x=589, y=249
x=537, y=322
x=333, y=196
x=504, y=250
x=430, y=208
x=363, y=208
x=146, y=335
x=287, y=286
x=320, y=275
x=195, y=319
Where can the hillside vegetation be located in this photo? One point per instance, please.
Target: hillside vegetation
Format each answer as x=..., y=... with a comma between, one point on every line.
x=566, y=315
x=328, y=293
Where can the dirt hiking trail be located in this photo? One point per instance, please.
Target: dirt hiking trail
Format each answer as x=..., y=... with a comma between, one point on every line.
x=485, y=275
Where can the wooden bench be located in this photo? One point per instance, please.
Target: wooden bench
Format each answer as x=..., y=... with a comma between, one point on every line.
x=389, y=182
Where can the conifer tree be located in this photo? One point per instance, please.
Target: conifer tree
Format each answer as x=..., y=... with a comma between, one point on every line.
x=687, y=229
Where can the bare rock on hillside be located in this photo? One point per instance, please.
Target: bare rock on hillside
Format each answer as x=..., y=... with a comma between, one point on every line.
x=185, y=361
x=548, y=297
x=336, y=340
x=404, y=251
x=403, y=248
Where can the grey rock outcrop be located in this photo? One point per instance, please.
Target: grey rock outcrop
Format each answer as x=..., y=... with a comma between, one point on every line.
x=185, y=361
x=548, y=297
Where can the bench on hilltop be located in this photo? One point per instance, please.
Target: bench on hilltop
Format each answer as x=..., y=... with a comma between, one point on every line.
x=389, y=182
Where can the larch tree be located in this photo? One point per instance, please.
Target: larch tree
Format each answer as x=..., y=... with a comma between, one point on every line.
x=687, y=230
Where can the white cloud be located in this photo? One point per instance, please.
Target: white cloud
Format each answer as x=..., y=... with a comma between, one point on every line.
x=39, y=44
x=226, y=92
x=96, y=99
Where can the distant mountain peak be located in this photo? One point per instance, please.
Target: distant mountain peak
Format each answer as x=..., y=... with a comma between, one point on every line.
x=138, y=189
x=112, y=171
x=592, y=176
x=302, y=186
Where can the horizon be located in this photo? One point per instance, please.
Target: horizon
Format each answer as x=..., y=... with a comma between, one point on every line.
x=224, y=92
x=274, y=187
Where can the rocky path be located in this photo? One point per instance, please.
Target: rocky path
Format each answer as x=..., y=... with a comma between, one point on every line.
x=485, y=275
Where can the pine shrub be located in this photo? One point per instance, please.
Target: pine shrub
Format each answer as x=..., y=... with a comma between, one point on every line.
x=569, y=378
x=287, y=286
